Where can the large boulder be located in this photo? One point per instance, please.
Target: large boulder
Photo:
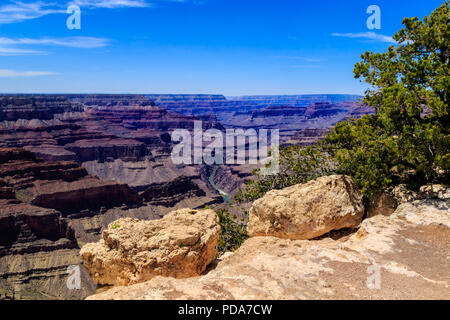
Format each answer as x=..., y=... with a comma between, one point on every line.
x=180, y=245
x=306, y=211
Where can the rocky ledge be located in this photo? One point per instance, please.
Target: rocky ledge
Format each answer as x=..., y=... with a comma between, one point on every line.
x=403, y=255
x=170, y=193
x=63, y=186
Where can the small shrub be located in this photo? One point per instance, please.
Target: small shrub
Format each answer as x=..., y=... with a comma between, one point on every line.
x=233, y=234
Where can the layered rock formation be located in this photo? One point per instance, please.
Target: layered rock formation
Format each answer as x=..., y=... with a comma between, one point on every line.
x=33, y=107
x=107, y=149
x=309, y=210
x=401, y=256
x=110, y=100
x=37, y=245
x=168, y=194
x=288, y=113
x=72, y=197
x=25, y=228
x=320, y=115
x=63, y=186
x=90, y=127
x=179, y=245
x=306, y=137
x=297, y=100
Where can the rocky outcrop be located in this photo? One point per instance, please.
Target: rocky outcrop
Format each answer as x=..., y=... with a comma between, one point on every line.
x=38, y=243
x=298, y=100
x=64, y=186
x=29, y=107
x=52, y=153
x=168, y=194
x=307, y=137
x=403, y=256
x=26, y=228
x=107, y=149
x=14, y=154
x=180, y=245
x=229, y=178
x=21, y=172
x=434, y=191
x=386, y=202
x=111, y=100
x=278, y=111
x=140, y=174
x=72, y=197
x=37, y=247
x=309, y=210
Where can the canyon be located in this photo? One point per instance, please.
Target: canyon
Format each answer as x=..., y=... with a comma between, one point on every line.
x=72, y=164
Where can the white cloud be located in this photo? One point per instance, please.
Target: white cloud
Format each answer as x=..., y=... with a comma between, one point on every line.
x=73, y=42
x=18, y=52
x=15, y=74
x=18, y=11
x=366, y=35
x=110, y=4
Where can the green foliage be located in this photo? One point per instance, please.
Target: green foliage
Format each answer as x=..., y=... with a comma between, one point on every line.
x=115, y=226
x=297, y=165
x=407, y=140
x=233, y=234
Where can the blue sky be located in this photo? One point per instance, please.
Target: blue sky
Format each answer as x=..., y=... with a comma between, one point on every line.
x=231, y=47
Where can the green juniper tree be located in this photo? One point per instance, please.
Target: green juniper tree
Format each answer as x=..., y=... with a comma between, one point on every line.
x=407, y=140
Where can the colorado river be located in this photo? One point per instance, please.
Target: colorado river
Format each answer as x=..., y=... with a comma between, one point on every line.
x=225, y=196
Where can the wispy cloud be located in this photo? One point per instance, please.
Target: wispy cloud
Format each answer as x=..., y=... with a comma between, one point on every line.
x=366, y=35
x=18, y=11
x=111, y=4
x=73, y=42
x=7, y=73
x=19, y=52
x=14, y=47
